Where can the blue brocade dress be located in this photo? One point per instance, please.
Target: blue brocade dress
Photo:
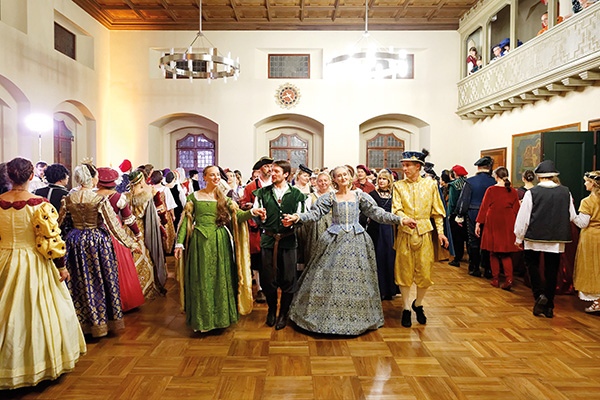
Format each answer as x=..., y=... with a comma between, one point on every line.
x=339, y=291
x=91, y=261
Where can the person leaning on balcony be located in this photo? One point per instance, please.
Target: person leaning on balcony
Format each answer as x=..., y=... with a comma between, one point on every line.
x=559, y=19
x=497, y=52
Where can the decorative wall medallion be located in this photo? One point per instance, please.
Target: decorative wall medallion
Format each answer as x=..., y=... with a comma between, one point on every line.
x=287, y=95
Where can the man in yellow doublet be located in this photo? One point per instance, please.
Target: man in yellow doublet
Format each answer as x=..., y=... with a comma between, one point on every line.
x=417, y=200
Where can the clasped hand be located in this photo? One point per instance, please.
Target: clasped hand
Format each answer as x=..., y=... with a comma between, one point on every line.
x=260, y=212
x=410, y=222
x=289, y=220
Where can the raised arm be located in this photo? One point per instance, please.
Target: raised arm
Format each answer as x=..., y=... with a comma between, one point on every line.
x=369, y=207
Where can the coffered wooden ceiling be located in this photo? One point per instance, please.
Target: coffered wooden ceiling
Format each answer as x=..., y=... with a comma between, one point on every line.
x=232, y=15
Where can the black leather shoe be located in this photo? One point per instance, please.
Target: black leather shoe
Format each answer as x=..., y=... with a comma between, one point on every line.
x=406, y=319
x=270, y=318
x=476, y=273
x=421, y=318
x=540, y=305
x=281, y=322
x=454, y=263
x=488, y=274
x=549, y=312
x=260, y=297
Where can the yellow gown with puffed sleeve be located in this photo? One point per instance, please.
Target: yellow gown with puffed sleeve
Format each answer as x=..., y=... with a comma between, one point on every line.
x=40, y=336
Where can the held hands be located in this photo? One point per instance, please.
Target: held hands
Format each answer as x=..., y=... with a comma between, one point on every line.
x=289, y=220
x=177, y=253
x=260, y=212
x=410, y=222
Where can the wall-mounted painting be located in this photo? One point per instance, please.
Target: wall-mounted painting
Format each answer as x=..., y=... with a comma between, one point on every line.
x=498, y=155
x=527, y=150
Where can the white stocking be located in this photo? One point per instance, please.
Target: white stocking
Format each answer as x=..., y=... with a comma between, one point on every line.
x=405, y=291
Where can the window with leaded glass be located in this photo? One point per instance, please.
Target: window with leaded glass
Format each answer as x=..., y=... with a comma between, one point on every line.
x=385, y=151
x=295, y=66
x=195, y=152
x=289, y=147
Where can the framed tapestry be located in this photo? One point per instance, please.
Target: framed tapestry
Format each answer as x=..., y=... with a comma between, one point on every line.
x=527, y=150
x=498, y=155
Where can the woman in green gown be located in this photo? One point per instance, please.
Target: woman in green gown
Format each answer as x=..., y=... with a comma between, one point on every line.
x=212, y=277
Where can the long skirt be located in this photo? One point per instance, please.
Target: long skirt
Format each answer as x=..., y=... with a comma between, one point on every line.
x=94, y=283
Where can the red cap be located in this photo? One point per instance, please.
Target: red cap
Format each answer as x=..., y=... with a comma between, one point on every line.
x=107, y=177
x=364, y=168
x=125, y=165
x=460, y=170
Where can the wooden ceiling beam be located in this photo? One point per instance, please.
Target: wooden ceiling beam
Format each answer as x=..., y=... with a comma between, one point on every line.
x=336, y=10
x=235, y=10
x=437, y=9
x=268, y=7
x=402, y=13
x=231, y=15
x=167, y=10
x=134, y=8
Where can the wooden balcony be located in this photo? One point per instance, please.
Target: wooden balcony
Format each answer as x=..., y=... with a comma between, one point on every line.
x=565, y=58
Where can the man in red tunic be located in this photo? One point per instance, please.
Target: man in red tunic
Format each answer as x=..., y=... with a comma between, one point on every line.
x=264, y=178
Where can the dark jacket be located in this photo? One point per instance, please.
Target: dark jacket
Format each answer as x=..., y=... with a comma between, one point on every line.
x=54, y=193
x=550, y=217
x=473, y=192
x=275, y=211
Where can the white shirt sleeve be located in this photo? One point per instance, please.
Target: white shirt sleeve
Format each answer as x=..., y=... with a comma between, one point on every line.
x=582, y=220
x=523, y=217
x=169, y=199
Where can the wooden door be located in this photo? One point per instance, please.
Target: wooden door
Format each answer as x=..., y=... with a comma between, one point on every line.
x=63, y=147
x=573, y=155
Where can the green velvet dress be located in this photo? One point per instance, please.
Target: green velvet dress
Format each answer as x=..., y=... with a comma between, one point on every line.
x=210, y=275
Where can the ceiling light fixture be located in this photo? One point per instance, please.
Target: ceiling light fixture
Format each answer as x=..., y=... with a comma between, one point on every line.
x=204, y=63
x=368, y=59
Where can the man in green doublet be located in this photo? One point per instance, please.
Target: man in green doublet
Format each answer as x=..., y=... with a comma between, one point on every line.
x=278, y=243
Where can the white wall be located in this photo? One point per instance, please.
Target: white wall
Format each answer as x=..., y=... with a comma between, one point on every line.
x=341, y=106
x=123, y=95
x=48, y=78
x=573, y=107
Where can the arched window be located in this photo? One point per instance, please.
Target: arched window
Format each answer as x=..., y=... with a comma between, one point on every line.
x=195, y=152
x=291, y=148
x=385, y=151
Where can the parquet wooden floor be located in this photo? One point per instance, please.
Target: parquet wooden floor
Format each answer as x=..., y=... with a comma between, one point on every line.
x=479, y=343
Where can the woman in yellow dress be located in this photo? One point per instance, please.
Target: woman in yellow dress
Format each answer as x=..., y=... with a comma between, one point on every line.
x=586, y=276
x=40, y=336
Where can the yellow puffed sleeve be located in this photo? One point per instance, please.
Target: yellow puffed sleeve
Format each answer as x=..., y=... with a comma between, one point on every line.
x=47, y=233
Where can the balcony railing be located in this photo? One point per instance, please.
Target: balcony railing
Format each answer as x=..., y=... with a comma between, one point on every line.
x=565, y=58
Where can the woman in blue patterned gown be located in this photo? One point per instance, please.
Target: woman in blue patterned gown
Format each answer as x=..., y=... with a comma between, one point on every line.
x=339, y=292
x=90, y=257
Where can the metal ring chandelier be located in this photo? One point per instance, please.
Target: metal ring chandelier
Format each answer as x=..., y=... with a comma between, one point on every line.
x=204, y=64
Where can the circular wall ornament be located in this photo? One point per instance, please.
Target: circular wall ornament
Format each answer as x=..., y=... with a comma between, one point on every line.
x=287, y=95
